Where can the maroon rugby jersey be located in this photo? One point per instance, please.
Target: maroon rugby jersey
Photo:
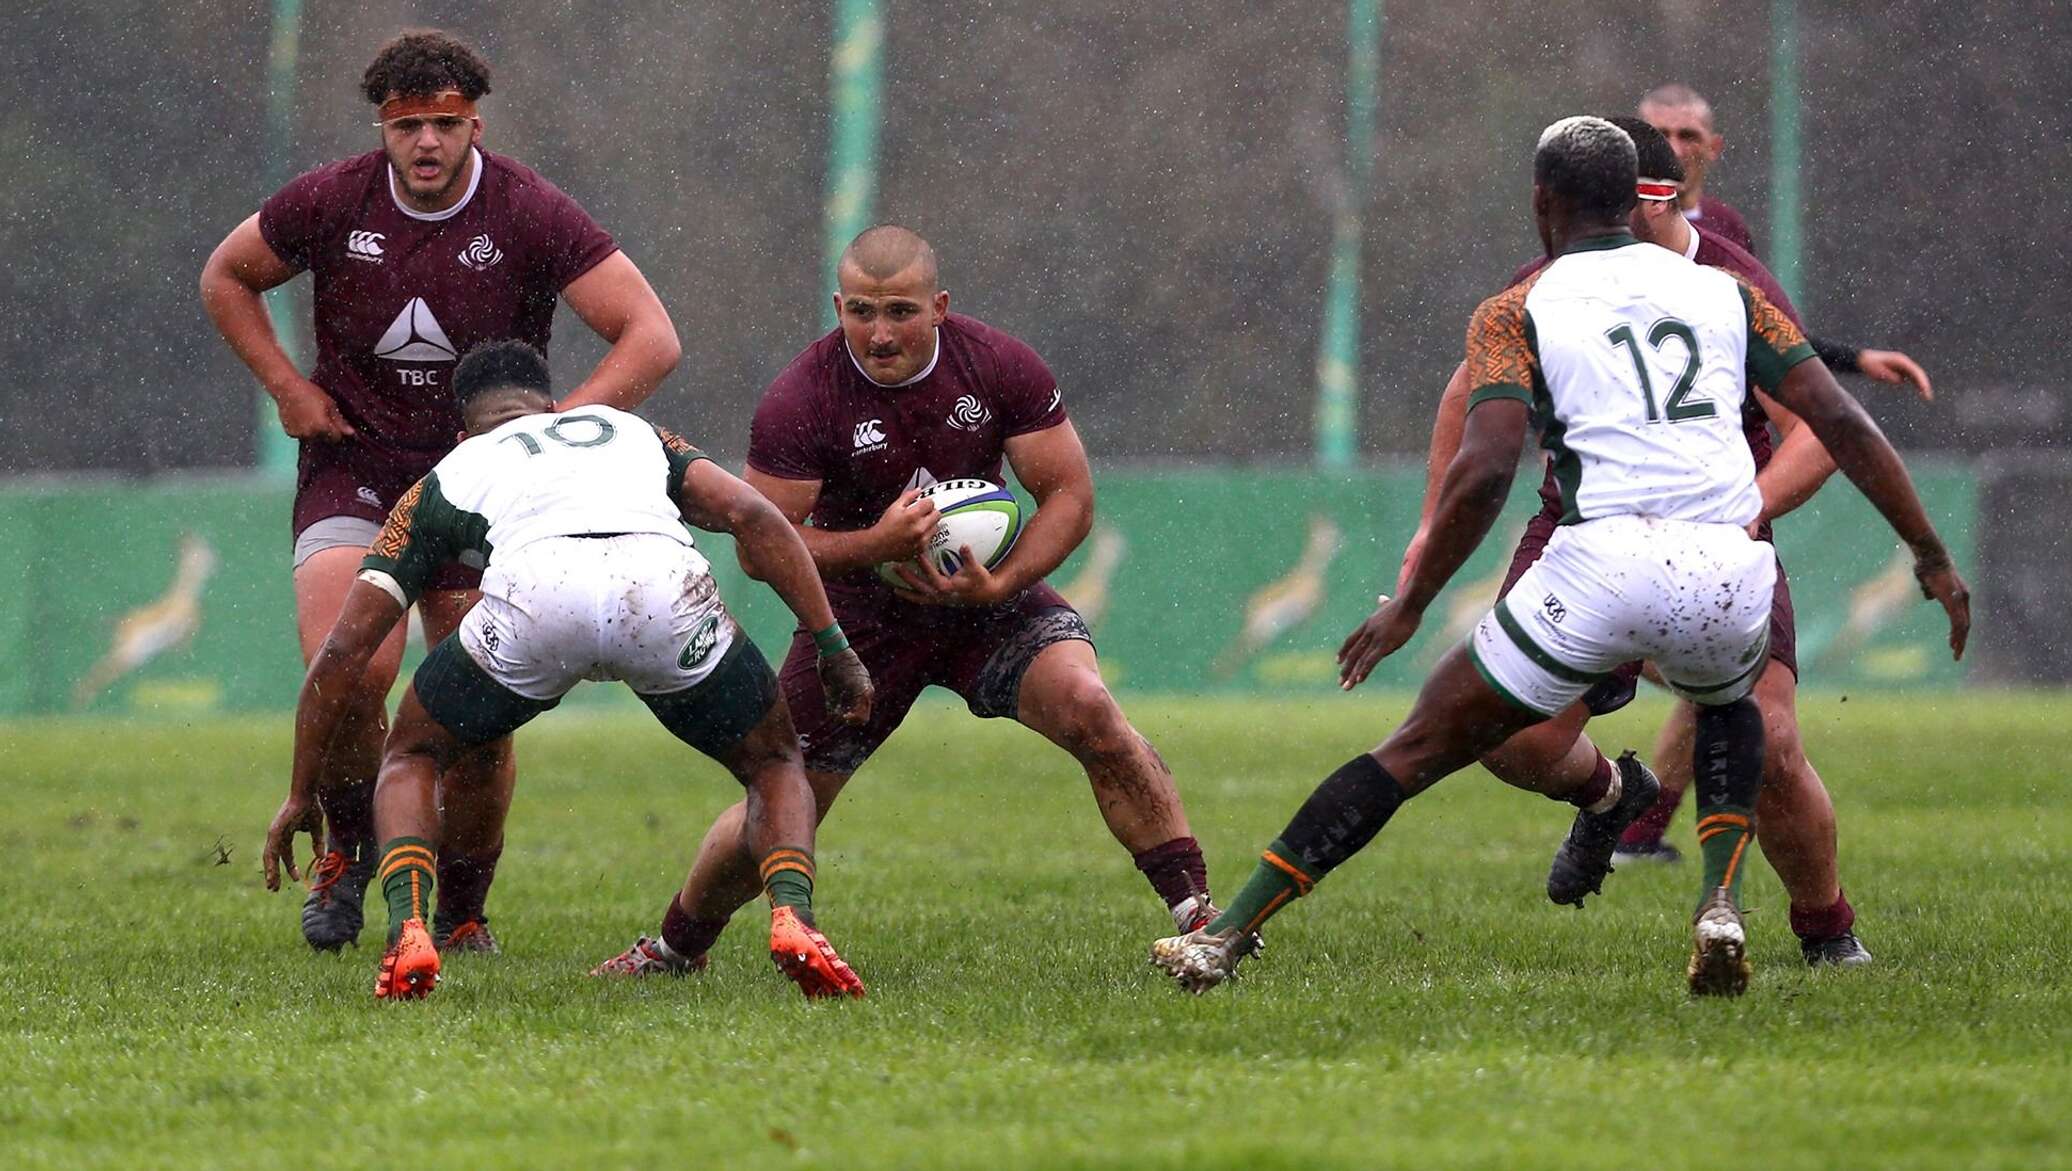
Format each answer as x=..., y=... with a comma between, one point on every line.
x=822, y=419
x=400, y=295
x=1719, y=217
x=1713, y=252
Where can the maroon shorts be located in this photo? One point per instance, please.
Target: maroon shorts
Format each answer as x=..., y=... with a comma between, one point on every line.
x=1616, y=690
x=357, y=480
x=979, y=654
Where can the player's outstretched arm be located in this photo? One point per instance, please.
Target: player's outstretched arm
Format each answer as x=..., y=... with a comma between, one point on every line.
x=242, y=268
x=368, y=615
x=716, y=500
x=1447, y=424
x=1867, y=458
x=1477, y=483
x=615, y=299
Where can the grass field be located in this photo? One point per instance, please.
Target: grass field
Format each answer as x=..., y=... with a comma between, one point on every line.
x=1426, y=1008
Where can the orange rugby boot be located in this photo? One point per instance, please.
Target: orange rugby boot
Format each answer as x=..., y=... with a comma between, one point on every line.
x=806, y=956
x=410, y=968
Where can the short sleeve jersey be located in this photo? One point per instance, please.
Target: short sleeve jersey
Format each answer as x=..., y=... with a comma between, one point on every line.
x=399, y=295
x=1636, y=363
x=1713, y=252
x=591, y=470
x=823, y=419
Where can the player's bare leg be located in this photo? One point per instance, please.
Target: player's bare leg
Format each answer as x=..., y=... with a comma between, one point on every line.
x=406, y=815
x=1795, y=824
x=763, y=844
x=475, y=793
x=333, y=914
x=1064, y=699
x=1557, y=759
x=1457, y=717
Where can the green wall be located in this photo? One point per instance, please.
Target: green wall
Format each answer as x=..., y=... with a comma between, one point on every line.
x=1185, y=559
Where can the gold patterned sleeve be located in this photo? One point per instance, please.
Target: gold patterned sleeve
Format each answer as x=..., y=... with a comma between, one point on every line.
x=1501, y=362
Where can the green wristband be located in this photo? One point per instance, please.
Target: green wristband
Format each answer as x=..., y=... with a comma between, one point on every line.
x=831, y=641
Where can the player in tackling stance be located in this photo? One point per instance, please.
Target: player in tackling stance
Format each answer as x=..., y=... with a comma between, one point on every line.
x=1633, y=363
x=590, y=574
x=902, y=395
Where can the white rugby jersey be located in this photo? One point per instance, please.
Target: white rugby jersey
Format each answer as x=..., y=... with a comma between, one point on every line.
x=1635, y=362
x=593, y=469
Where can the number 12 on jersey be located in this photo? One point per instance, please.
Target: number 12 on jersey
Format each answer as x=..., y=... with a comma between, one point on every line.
x=1679, y=407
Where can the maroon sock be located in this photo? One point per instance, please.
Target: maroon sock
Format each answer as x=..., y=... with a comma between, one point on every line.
x=688, y=937
x=1595, y=788
x=1648, y=828
x=349, y=818
x=1175, y=870
x=463, y=886
x=1827, y=923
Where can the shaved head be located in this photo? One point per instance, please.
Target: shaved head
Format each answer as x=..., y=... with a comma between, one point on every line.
x=1674, y=96
x=886, y=251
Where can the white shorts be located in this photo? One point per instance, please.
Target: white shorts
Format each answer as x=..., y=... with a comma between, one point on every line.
x=1693, y=597
x=638, y=607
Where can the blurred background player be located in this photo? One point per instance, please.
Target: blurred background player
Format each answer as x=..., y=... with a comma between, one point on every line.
x=904, y=394
x=419, y=250
x=579, y=517
x=1633, y=364
x=1796, y=821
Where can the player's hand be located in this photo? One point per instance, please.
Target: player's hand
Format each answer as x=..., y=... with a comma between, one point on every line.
x=1894, y=367
x=1940, y=583
x=846, y=687
x=1412, y=553
x=1381, y=635
x=298, y=815
x=972, y=585
x=308, y=413
x=903, y=530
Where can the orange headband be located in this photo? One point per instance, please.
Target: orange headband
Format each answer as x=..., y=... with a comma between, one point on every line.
x=446, y=104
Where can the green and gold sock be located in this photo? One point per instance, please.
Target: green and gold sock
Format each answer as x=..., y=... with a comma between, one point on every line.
x=788, y=880
x=1728, y=775
x=1274, y=882
x=406, y=881
x=1723, y=837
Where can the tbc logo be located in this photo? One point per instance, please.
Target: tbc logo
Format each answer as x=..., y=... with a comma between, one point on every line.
x=870, y=436
x=1555, y=610
x=364, y=246
x=481, y=253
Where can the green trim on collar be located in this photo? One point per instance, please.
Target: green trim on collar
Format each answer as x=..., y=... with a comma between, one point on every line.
x=1600, y=243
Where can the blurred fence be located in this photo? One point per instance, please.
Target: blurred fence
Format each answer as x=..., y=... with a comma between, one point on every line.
x=1143, y=191
x=175, y=598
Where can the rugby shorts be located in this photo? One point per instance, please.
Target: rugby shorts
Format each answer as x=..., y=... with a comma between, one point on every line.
x=1693, y=597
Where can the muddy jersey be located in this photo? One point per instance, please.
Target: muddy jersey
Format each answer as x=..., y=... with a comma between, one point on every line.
x=400, y=295
x=823, y=419
x=593, y=470
x=1713, y=252
x=1635, y=362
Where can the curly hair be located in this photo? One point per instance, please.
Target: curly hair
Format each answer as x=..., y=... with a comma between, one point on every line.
x=422, y=62
x=500, y=365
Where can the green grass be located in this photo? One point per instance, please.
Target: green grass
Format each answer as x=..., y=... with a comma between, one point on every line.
x=1426, y=1008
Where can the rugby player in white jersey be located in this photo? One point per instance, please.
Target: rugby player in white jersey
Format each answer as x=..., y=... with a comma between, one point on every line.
x=1632, y=363
x=577, y=520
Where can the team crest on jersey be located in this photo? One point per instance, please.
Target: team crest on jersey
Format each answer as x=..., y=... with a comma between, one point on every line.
x=364, y=246
x=969, y=414
x=481, y=253
x=368, y=497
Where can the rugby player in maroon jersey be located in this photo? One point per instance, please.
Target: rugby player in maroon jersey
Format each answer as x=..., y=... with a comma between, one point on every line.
x=1795, y=816
x=902, y=395
x=419, y=251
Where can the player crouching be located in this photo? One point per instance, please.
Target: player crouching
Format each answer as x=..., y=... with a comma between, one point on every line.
x=589, y=574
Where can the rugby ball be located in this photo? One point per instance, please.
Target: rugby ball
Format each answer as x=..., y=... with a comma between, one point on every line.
x=975, y=513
